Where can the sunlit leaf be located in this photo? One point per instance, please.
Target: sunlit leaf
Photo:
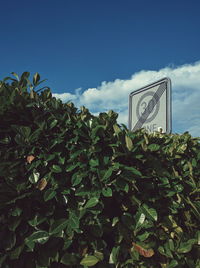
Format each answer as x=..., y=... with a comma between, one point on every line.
x=154, y=147
x=116, y=129
x=34, y=177
x=114, y=255
x=91, y=203
x=89, y=261
x=185, y=247
x=129, y=143
x=38, y=236
x=149, y=212
x=140, y=218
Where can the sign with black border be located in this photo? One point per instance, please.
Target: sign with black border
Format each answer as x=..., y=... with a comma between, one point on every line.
x=150, y=107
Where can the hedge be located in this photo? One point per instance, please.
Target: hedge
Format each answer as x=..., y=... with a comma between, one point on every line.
x=78, y=190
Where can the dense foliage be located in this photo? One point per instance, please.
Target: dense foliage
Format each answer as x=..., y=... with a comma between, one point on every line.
x=78, y=190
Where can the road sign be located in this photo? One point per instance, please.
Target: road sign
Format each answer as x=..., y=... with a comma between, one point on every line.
x=150, y=107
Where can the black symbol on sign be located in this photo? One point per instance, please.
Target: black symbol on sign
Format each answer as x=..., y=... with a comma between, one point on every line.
x=145, y=108
x=148, y=108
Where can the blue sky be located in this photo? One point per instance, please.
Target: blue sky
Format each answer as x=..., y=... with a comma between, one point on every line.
x=107, y=48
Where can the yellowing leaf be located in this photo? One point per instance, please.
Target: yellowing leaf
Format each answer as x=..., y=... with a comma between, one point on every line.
x=89, y=260
x=42, y=184
x=129, y=143
x=116, y=129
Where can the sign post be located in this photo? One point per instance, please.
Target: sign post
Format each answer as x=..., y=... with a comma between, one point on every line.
x=150, y=107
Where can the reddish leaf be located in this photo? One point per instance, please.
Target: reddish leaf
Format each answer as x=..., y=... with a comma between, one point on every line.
x=147, y=253
x=30, y=158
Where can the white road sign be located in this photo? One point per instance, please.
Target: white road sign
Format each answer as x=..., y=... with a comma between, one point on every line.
x=150, y=107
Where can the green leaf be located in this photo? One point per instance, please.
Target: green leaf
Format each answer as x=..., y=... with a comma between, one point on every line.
x=107, y=174
x=68, y=169
x=161, y=250
x=168, y=252
x=14, y=223
x=73, y=221
x=99, y=255
x=114, y=255
x=25, y=131
x=34, y=177
x=140, y=218
x=19, y=139
x=194, y=162
x=36, y=220
x=61, y=160
x=65, y=192
x=53, y=123
x=129, y=143
x=56, y=169
x=49, y=157
x=172, y=264
x=126, y=188
x=43, y=258
x=89, y=261
x=16, y=212
x=94, y=162
x=150, y=213
x=133, y=170
x=49, y=194
x=106, y=160
x=143, y=236
x=107, y=192
x=16, y=252
x=154, y=147
x=37, y=237
x=69, y=259
x=91, y=203
x=58, y=226
x=198, y=237
x=186, y=246
x=36, y=78
x=115, y=221
x=35, y=135
x=5, y=140
x=122, y=185
x=2, y=258
x=76, y=179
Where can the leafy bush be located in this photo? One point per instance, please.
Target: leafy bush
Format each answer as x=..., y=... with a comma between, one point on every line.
x=78, y=190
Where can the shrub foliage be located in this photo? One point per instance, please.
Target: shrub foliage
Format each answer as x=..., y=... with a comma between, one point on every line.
x=78, y=190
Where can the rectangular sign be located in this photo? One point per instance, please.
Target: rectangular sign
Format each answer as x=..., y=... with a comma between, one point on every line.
x=150, y=107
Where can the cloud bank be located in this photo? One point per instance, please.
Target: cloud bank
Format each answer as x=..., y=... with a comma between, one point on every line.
x=114, y=95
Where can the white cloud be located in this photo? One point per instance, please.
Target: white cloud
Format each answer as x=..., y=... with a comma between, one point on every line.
x=114, y=95
x=65, y=96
